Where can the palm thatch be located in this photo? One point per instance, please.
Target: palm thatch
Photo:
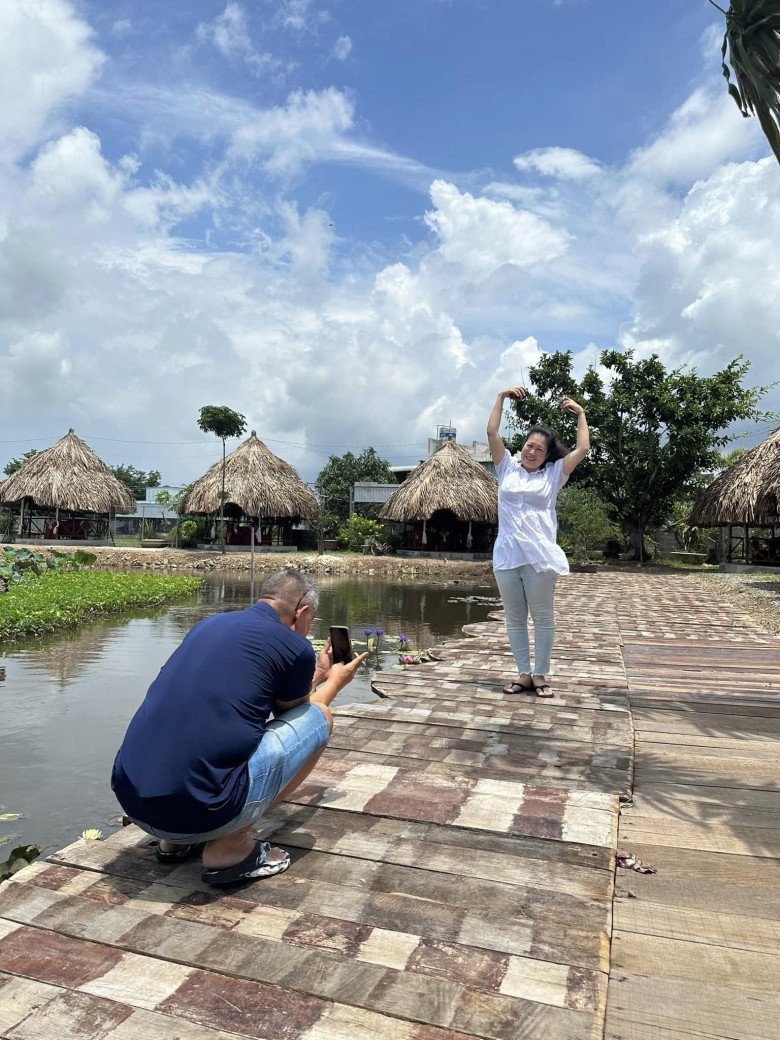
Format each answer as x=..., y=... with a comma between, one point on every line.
x=68, y=476
x=746, y=493
x=451, y=480
x=256, y=481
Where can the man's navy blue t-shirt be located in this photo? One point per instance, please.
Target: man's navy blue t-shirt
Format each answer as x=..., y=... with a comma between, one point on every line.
x=182, y=766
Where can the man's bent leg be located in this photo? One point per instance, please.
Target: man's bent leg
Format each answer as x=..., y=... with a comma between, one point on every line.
x=285, y=737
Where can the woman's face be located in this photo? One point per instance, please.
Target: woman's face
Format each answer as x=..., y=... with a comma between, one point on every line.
x=534, y=452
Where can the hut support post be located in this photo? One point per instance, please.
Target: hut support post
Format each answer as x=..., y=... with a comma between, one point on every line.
x=252, y=559
x=747, y=544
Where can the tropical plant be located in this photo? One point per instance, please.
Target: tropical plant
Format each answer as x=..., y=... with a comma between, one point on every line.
x=15, y=564
x=224, y=422
x=752, y=43
x=188, y=532
x=357, y=530
x=172, y=503
x=653, y=431
x=20, y=857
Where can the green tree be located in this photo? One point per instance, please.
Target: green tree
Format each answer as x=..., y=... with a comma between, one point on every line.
x=751, y=43
x=224, y=422
x=136, y=479
x=652, y=431
x=339, y=473
x=16, y=464
x=584, y=521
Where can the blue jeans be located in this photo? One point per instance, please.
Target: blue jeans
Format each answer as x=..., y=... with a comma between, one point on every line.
x=523, y=589
x=286, y=746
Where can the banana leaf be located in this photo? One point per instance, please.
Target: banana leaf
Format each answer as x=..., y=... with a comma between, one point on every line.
x=751, y=46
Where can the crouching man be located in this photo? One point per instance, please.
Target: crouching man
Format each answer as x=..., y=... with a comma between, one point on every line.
x=200, y=762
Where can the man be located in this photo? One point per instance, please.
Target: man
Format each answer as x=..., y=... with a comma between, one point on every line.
x=200, y=762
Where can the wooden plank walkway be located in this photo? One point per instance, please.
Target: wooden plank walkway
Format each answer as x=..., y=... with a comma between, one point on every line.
x=696, y=946
x=454, y=861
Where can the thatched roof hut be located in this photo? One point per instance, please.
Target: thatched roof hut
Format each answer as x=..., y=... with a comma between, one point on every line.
x=68, y=476
x=257, y=481
x=449, y=480
x=747, y=493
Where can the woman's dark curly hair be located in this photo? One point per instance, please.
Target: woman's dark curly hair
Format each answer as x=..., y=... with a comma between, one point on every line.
x=556, y=449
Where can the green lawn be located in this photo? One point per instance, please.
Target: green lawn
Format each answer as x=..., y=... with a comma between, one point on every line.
x=58, y=600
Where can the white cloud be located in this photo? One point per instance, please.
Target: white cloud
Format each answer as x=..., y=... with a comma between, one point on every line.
x=342, y=48
x=229, y=33
x=112, y=322
x=481, y=235
x=47, y=58
x=304, y=129
x=704, y=132
x=299, y=16
x=563, y=163
x=121, y=27
x=708, y=286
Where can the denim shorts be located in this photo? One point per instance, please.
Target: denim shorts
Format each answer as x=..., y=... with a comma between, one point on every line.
x=286, y=745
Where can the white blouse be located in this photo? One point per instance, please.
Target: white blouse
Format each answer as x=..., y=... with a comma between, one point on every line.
x=527, y=521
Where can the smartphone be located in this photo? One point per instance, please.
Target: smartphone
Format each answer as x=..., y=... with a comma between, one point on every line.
x=341, y=644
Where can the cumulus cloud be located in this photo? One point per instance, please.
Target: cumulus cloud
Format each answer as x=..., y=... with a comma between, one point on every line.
x=481, y=234
x=113, y=321
x=564, y=163
x=47, y=58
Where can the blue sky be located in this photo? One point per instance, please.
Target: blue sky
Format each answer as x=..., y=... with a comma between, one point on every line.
x=351, y=221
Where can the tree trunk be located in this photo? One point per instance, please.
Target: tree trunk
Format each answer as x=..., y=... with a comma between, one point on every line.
x=635, y=536
x=222, y=501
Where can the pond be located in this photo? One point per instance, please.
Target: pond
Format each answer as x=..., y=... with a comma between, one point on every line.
x=67, y=699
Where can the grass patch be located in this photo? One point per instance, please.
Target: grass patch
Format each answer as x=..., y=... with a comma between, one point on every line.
x=59, y=600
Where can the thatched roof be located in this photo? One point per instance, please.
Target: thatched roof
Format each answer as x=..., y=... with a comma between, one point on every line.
x=746, y=493
x=69, y=475
x=256, y=481
x=450, y=479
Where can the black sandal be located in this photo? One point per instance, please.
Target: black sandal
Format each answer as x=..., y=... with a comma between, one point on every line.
x=543, y=689
x=256, y=865
x=179, y=854
x=514, y=688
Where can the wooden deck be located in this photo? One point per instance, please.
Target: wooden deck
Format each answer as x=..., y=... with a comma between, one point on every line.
x=454, y=860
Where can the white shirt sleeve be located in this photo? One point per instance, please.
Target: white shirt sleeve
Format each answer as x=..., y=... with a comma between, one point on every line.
x=559, y=478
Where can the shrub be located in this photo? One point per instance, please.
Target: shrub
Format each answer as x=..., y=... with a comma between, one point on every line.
x=585, y=521
x=357, y=530
x=188, y=533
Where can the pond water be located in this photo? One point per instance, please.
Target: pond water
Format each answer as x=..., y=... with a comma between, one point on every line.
x=67, y=699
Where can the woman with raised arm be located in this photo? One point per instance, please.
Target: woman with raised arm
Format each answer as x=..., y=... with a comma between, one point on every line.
x=526, y=557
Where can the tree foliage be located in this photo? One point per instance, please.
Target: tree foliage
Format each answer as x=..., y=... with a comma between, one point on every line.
x=584, y=521
x=224, y=422
x=339, y=474
x=15, y=464
x=652, y=430
x=221, y=421
x=752, y=46
x=136, y=479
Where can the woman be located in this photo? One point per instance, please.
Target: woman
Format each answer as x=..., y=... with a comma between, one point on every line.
x=526, y=557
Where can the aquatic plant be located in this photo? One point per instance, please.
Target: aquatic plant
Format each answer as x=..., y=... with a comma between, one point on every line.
x=61, y=599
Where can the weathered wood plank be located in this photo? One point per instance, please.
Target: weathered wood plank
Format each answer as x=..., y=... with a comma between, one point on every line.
x=760, y=935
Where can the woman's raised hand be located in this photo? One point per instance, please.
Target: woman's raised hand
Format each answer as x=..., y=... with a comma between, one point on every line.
x=517, y=393
x=569, y=405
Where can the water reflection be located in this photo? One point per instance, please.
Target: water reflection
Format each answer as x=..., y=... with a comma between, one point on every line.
x=68, y=698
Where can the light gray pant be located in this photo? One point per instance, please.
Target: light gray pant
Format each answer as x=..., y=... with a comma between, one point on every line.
x=523, y=589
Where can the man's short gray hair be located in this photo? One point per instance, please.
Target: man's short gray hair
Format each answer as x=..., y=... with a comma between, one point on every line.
x=290, y=589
